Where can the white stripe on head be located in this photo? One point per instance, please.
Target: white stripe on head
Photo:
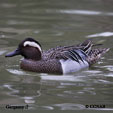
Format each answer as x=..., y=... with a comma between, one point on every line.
x=33, y=44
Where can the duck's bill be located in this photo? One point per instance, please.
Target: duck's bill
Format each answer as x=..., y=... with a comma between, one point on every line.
x=13, y=53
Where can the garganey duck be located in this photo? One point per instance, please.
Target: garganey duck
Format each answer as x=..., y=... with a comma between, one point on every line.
x=59, y=60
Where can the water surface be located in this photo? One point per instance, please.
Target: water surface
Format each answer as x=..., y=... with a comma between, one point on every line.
x=54, y=23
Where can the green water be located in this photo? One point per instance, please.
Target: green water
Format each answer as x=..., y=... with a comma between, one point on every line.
x=53, y=23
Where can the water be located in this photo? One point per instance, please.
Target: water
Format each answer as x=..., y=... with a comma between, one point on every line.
x=53, y=23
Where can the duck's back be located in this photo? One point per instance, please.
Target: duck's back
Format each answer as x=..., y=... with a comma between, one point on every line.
x=83, y=51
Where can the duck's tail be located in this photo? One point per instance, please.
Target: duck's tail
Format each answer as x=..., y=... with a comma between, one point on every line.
x=95, y=55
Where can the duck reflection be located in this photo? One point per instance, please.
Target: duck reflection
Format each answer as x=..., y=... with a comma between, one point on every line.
x=28, y=88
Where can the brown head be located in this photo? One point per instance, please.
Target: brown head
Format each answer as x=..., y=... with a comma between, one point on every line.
x=29, y=49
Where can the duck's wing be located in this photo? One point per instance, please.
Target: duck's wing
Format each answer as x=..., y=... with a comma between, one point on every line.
x=77, y=53
x=80, y=52
x=74, y=54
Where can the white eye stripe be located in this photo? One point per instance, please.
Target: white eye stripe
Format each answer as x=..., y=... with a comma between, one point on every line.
x=33, y=44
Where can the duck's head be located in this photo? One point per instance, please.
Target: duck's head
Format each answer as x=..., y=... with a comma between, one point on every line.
x=28, y=48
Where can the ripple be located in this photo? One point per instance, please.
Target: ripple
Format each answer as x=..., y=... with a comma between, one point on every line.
x=105, y=81
x=48, y=107
x=10, y=88
x=2, y=52
x=108, y=67
x=103, y=34
x=94, y=72
x=109, y=75
x=17, y=72
x=62, y=78
x=29, y=100
x=80, y=12
x=90, y=90
x=8, y=5
x=14, y=31
x=70, y=106
x=83, y=12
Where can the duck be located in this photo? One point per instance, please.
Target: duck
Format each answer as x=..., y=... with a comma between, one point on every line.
x=58, y=60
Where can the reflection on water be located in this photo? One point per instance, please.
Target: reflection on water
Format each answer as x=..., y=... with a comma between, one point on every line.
x=70, y=106
x=27, y=91
x=17, y=72
x=2, y=52
x=55, y=23
x=104, y=34
x=83, y=12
